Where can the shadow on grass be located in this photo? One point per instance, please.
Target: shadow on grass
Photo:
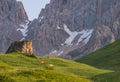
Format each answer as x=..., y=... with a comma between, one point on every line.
x=5, y=78
x=107, y=77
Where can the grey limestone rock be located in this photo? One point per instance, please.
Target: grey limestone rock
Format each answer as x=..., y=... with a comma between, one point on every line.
x=12, y=14
x=73, y=28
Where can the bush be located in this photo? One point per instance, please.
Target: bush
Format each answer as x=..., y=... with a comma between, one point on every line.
x=30, y=55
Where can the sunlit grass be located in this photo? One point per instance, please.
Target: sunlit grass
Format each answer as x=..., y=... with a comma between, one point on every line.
x=44, y=69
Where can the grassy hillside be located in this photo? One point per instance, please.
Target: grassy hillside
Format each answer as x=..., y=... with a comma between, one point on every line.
x=16, y=67
x=100, y=66
x=106, y=58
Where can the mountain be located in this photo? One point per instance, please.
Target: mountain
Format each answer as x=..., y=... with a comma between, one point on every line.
x=106, y=58
x=73, y=28
x=65, y=28
x=12, y=19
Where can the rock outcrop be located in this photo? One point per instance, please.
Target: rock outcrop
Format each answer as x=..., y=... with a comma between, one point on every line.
x=21, y=46
x=12, y=15
x=71, y=28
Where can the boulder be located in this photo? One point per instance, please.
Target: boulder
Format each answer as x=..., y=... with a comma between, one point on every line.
x=21, y=46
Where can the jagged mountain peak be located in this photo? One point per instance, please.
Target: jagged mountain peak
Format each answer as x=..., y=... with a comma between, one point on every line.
x=12, y=10
x=12, y=15
x=64, y=23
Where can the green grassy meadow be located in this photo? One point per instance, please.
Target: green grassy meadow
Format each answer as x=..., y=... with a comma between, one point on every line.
x=107, y=58
x=100, y=66
x=16, y=67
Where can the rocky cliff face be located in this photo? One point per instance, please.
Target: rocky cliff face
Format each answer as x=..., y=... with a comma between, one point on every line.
x=71, y=28
x=12, y=18
x=107, y=26
x=21, y=46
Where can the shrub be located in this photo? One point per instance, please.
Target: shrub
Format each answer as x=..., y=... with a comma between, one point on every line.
x=30, y=55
